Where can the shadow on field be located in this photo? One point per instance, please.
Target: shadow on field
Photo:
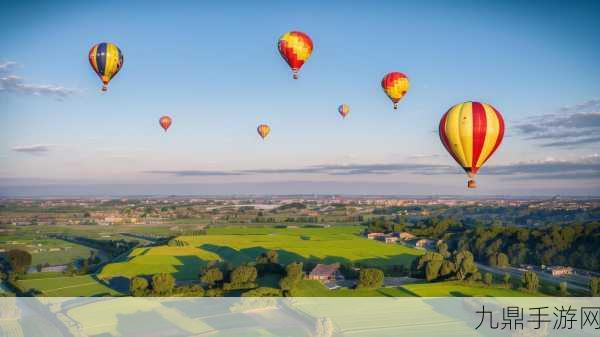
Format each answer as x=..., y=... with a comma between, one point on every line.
x=245, y=255
x=189, y=268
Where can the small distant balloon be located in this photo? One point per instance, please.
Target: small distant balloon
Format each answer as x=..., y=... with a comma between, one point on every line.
x=344, y=110
x=263, y=130
x=106, y=59
x=395, y=85
x=295, y=48
x=165, y=122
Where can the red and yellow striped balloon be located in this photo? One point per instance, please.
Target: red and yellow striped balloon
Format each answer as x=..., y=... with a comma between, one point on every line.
x=471, y=132
x=344, y=110
x=263, y=130
x=106, y=59
x=395, y=85
x=295, y=48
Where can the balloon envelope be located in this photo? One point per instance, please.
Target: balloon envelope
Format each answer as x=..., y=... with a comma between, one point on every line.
x=263, y=130
x=344, y=109
x=106, y=59
x=395, y=85
x=471, y=132
x=165, y=122
x=295, y=48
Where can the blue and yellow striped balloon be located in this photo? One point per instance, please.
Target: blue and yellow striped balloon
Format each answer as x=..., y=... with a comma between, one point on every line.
x=106, y=59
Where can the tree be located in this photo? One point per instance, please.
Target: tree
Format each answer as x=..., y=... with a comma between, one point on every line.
x=211, y=276
x=242, y=277
x=595, y=286
x=488, y=279
x=465, y=265
x=562, y=288
x=506, y=279
x=448, y=269
x=502, y=260
x=432, y=270
x=270, y=256
x=370, y=278
x=19, y=260
x=293, y=276
x=262, y=292
x=243, y=274
x=530, y=280
x=163, y=283
x=442, y=248
x=138, y=286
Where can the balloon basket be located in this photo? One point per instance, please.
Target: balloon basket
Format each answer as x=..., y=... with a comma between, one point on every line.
x=104, y=88
x=471, y=184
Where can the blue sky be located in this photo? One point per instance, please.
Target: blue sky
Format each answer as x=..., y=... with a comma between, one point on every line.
x=214, y=67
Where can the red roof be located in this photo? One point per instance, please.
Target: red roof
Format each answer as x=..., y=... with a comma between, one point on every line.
x=324, y=270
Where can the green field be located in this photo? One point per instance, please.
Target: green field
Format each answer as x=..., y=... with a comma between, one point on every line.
x=439, y=289
x=238, y=245
x=67, y=286
x=46, y=250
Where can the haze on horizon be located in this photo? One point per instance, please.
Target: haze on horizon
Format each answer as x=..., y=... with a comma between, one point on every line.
x=215, y=69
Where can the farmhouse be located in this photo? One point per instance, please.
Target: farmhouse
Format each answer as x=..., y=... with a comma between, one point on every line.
x=561, y=271
x=375, y=236
x=423, y=243
x=391, y=239
x=405, y=236
x=325, y=272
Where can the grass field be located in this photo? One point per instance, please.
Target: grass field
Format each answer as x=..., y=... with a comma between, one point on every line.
x=439, y=289
x=67, y=286
x=47, y=250
x=238, y=245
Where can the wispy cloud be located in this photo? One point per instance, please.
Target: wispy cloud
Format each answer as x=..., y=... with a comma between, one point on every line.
x=11, y=83
x=36, y=149
x=580, y=168
x=569, y=126
x=195, y=173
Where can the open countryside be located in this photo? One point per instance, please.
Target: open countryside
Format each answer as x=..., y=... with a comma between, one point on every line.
x=306, y=246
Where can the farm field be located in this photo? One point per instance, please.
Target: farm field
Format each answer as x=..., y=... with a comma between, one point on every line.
x=237, y=245
x=47, y=250
x=67, y=286
x=437, y=289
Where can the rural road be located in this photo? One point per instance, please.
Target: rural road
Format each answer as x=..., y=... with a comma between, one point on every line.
x=514, y=272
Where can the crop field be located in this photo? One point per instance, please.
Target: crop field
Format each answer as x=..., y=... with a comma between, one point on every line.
x=47, y=250
x=438, y=289
x=67, y=286
x=238, y=245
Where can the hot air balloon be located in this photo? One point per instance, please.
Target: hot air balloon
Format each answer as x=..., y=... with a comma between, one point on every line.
x=471, y=132
x=263, y=130
x=165, y=122
x=106, y=59
x=295, y=48
x=395, y=85
x=344, y=109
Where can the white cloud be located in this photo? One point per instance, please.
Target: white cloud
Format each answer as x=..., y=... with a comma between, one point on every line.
x=11, y=83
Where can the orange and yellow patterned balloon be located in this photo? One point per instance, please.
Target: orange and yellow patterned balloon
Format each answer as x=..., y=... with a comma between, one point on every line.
x=106, y=59
x=344, y=110
x=165, y=122
x=263, y=130
x=295, y=48
x=471, y=132
x=395, y=85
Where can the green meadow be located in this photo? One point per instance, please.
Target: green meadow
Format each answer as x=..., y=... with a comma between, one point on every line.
x=437, y=289
x=67, y=286
x=237, y=245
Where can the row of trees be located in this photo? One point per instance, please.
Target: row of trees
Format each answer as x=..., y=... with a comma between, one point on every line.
x=458, y=266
